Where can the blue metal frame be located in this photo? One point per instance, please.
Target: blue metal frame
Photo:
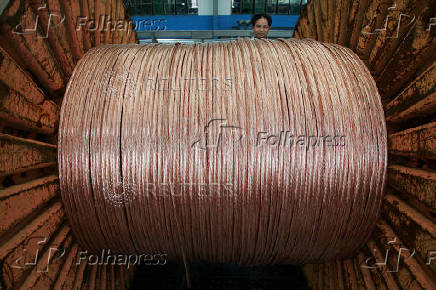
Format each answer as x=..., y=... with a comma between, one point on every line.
x=206, y=22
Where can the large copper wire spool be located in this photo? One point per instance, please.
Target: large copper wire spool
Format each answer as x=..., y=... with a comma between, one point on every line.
x=187, y=150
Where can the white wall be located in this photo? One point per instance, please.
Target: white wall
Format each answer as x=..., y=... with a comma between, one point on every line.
x=224, y=7
x=205, y=7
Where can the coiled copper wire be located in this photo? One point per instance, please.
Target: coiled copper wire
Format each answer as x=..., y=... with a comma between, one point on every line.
x=159, y=151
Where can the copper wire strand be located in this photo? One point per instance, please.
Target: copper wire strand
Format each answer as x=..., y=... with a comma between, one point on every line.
x=140, y=173
x=359, y=110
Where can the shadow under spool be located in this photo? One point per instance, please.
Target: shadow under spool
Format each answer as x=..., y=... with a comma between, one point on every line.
x=247, y=152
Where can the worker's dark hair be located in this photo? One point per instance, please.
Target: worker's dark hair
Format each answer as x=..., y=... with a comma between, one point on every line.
x=259, y=16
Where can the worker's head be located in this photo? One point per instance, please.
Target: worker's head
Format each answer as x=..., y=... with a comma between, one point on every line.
x=261, y=25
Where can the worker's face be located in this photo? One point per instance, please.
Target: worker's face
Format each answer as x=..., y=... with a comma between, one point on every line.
x=261, y=28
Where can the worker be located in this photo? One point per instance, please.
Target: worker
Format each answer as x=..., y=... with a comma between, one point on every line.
x=261, y=25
